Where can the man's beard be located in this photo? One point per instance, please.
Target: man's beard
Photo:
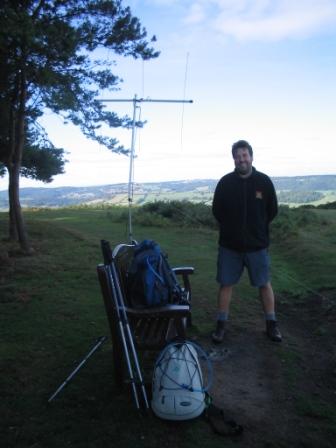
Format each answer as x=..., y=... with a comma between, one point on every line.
x=244, y=169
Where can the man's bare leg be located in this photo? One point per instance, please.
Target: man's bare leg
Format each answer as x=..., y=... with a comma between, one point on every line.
x=224, y=300
x=268, y=302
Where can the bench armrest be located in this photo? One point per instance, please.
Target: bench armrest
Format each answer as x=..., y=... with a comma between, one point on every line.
x=162, y=311
x=183, y=270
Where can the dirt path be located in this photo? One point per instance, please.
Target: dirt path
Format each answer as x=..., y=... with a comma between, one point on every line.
x=284, y=394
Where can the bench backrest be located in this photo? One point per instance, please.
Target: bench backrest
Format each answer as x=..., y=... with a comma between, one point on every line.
x=123, y=255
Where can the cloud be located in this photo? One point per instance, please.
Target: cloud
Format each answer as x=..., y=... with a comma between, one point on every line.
x=161, y=2
x=196, y=14
x=264, y=19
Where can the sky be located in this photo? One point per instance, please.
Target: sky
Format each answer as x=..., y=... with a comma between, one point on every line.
x=259, y=70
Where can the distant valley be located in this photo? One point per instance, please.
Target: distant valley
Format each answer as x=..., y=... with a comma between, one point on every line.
x=293, y=191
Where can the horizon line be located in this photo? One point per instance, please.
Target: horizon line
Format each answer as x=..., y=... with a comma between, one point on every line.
x=161, y=182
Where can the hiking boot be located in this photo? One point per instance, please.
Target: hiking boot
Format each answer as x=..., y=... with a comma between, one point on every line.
x=218, y=335
x=272, y=330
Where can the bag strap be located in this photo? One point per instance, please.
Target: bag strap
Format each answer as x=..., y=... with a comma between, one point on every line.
x=220, y=424
x=199, y=350
x=154, y=271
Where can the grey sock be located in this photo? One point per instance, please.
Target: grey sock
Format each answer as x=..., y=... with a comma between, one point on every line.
x=222, y=316
x=270, y=316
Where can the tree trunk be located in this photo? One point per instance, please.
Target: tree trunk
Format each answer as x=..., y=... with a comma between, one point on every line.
x=16, y=216
x=13, y=234
x=17, y=225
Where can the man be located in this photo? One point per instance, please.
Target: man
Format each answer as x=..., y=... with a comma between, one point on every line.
x=244, y=204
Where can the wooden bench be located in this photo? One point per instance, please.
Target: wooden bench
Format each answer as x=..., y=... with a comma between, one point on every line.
x=151, y=328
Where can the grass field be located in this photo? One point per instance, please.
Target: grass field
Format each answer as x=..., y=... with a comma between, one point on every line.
x=52, y=312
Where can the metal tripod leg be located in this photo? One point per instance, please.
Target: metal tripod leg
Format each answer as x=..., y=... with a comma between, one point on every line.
x=125, y=331
x=130, y=338
x=124, y=343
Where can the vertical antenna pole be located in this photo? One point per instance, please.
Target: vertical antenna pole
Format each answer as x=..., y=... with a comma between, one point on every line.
x=184, y=94
x=135, y=100
x=131, y=173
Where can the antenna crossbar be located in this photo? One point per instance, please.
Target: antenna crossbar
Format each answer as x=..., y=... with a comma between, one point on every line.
x=142, y=100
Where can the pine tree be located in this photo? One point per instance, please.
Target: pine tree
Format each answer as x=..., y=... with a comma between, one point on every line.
x=51, y=58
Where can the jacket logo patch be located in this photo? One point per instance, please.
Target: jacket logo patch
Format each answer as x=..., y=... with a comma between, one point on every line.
x=259, y=194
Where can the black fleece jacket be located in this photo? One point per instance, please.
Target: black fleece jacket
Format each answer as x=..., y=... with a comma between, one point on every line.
x=244, y=208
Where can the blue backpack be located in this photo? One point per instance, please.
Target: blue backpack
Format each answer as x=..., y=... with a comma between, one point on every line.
x=150, y=280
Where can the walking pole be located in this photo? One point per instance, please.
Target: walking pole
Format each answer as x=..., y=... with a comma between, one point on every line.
x=125, y=331
x=99, y=342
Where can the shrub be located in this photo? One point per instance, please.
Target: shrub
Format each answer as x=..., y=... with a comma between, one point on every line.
x=117, y=213
x=183, y=213
x=145, y=218
x=289, y=221
x=328, y=206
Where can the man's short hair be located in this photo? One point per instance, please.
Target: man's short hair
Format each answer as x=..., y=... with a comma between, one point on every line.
x=241, y=144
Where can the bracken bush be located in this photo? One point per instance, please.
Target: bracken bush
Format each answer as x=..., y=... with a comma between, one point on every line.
x=183, y=213
x=199, y=215
x=290, y=221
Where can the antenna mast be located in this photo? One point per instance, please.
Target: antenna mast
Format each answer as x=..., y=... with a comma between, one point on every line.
x=135, y=102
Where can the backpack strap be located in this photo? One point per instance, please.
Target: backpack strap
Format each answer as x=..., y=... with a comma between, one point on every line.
x=220, y=424
x=150, y=267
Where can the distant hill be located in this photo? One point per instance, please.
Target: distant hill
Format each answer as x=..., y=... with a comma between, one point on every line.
x=291, y=190
x=306, y=183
